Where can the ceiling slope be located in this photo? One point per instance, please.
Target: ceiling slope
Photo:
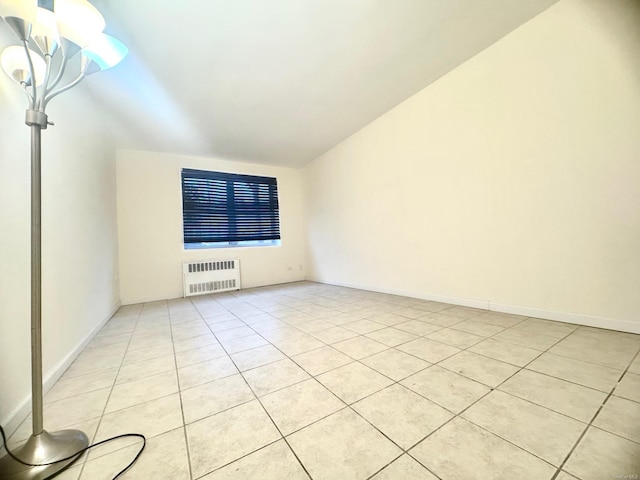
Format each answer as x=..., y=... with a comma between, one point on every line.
x=281, y=81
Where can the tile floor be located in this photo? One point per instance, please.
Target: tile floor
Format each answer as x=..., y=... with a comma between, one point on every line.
x=314, y=381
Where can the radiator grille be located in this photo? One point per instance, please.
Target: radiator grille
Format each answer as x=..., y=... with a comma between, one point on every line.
x=212, y=266
x=210, y=276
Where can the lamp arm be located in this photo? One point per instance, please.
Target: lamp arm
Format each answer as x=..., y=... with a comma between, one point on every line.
x=32, y=71
x=26, y=91
x=47, y=75
x=56, y=80
x=63, y=89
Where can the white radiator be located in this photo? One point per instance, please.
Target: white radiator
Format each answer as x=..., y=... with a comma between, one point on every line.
x=210, y=276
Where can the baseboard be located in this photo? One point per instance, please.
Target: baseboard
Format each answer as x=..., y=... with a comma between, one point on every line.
x=245, y=285
x=617, y=324
x=15, y=418
x=271, y=282
x=465, y=302
x=567, y=317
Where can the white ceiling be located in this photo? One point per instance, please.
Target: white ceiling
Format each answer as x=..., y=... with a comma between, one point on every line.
x=281, y=81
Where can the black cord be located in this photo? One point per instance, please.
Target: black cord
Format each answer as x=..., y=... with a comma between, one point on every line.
x=119, y=474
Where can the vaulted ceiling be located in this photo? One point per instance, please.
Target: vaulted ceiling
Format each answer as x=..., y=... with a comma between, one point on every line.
x=281, y=81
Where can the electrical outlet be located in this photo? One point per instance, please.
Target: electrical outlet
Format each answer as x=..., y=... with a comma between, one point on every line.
x=289, y=268
x=300, y=267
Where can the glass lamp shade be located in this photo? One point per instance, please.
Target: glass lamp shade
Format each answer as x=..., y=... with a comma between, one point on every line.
x=45, y=31
x=105, y=51
x=15, y=64
x=22, y=9
x=78, y=21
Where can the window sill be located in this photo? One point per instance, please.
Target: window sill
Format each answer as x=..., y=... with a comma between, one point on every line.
x=216, y=245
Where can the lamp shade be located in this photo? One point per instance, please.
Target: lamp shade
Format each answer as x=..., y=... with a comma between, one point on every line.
x=105, y=51
x=15, y=64
x=78, y=21
x=23, y=9
x=44, y=31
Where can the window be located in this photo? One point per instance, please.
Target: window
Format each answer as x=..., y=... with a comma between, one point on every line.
x=228, y=209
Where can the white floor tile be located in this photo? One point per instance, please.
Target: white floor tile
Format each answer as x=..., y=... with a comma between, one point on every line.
x=220, y=439
x=342, y=446
x=480, y=456
x=256, y=364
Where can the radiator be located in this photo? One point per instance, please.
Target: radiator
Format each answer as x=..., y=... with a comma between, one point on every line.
x=210, y=276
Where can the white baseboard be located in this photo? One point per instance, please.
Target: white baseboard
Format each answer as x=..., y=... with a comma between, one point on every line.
x=621, y=325
x=245, y=285
x=18, y=415
x=618, y=324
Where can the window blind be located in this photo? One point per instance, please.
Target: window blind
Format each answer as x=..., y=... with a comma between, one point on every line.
x=229, y=207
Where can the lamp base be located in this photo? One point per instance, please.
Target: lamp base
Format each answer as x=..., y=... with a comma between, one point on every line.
x=44, y=448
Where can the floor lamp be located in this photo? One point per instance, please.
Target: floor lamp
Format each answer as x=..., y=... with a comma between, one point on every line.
x=64, y=31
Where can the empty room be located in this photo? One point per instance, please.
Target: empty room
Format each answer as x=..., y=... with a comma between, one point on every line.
x=320, y=240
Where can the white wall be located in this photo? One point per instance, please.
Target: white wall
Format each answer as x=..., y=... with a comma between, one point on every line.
x=79, y=251
x=511, y=183
x=150, y=226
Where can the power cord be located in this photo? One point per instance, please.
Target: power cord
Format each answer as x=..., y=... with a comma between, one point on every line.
x=119, y=474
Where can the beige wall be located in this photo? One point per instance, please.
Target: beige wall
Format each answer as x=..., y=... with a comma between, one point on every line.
x=79, y=250
x=150, y=226
x=512, y=183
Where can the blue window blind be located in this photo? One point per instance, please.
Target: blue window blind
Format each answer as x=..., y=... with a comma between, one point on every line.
x=229, y=207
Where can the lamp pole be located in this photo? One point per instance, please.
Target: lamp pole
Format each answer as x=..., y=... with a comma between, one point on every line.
x=76, y=26
x=36, y=269
x=45, y=453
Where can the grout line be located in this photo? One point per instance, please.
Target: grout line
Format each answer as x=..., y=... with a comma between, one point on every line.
x=590, y=424
x=459, y=415
x=583, y=361
x=113, y=384
x=263, y=408
x=350, y=406
x=232, y=301
x=391, y=462
x=237, y=459
x=518, y=446
x=184, y=424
